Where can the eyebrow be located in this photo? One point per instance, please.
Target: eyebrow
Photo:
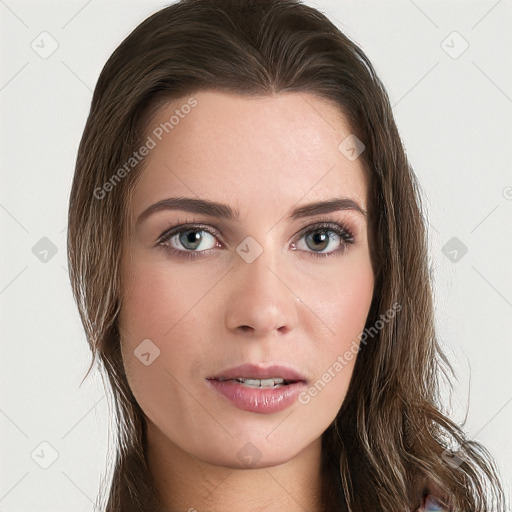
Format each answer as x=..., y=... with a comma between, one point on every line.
x=223, y=211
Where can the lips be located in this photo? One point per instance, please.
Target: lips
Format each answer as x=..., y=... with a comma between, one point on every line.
x=254, y=388
x=252, y=371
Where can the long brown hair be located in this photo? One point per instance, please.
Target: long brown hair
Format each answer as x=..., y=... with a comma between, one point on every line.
x=390, y=439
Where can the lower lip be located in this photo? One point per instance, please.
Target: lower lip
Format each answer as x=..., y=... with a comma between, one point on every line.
x=262, y=400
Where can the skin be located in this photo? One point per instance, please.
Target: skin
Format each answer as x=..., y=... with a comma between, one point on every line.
x=263, y=156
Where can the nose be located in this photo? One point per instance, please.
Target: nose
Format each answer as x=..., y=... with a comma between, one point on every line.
x=262, y=301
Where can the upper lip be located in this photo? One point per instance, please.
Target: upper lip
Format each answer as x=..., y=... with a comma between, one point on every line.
x=254, y=371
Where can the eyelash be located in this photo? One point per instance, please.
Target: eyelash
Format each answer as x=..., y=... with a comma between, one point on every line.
x=323, y=224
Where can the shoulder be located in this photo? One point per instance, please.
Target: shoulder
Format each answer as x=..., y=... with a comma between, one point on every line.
x=432, y=504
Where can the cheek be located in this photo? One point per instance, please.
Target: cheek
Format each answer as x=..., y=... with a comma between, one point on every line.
x=351, y=303
x=342, y=306
x=159, y=308
x=341, y=297
x=156, y=299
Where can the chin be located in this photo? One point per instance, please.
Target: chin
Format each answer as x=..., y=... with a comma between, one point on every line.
x=251, y=452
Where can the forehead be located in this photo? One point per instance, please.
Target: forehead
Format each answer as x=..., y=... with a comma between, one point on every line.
x=255, y=153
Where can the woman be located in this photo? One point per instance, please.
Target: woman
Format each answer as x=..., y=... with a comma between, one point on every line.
x=251, y=368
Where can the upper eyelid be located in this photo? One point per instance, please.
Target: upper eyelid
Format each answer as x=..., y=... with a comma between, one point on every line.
x=354, y=219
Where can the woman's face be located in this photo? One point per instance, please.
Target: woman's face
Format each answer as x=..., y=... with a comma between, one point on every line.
x=260, y=287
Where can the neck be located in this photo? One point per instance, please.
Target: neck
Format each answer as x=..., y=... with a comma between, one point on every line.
x=187, y=484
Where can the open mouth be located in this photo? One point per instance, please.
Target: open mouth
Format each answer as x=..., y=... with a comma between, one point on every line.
x=258, y=376
x=275, y=382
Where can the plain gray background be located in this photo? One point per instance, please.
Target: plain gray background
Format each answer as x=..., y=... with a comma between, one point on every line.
x=446, y=66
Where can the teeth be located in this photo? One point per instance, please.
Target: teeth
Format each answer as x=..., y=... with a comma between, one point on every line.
x=261, y=383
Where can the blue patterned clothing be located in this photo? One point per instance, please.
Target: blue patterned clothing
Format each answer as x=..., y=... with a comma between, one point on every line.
x=432, y=504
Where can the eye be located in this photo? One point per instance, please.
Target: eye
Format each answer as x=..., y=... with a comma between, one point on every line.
x=190, y=238
x=194, y=240
x=319, y=236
